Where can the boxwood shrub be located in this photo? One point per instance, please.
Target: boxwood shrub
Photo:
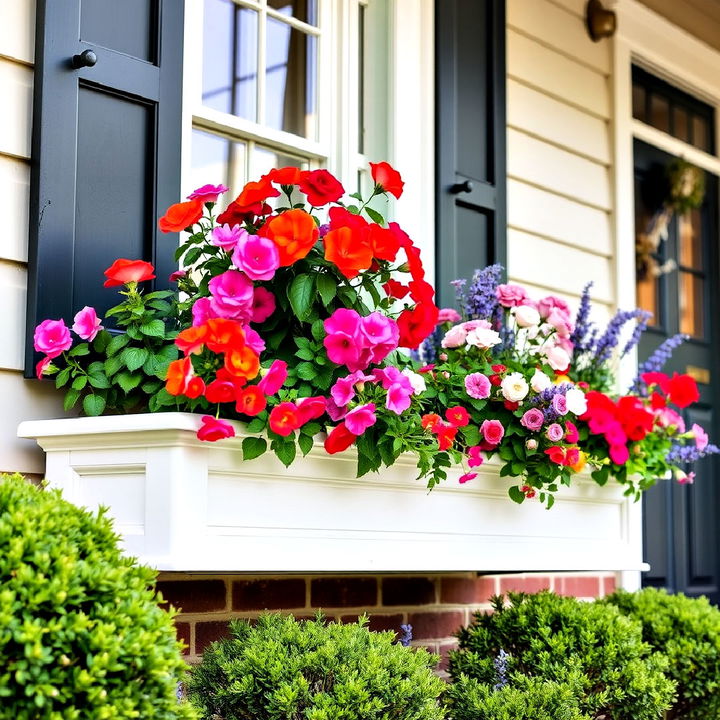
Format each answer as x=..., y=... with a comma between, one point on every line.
x=687, y=631
x=284, y=668
x=590, y=646
x=81, y=634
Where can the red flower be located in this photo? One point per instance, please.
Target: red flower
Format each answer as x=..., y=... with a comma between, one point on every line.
x=395, y=289
x=421, y=291
x=682, y=390
x=384, y=242
x=445, y=435
x=181, y=215
x=284, y=418
x=387, y=178
x=349, y=250
x=219, y=391
x=310, y=408
x=510, y=405
x=636, y=421
x=251, y=401
x=181, y=379
x=415, y=325
x=285, y=176
x=320, y=187
x=339, y=439
x=556, y=453
x=236, y=214
x=430, y=420
x=495, y=380
x=340, y=217
x=457, y=416
x=124, y=271
x=256, y=193
x=655, y=378
x=214, y=429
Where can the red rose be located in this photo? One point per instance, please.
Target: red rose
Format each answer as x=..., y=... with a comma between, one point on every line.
x=387, y=178
x=236, y=214
x=339, y=439
x=180, y=216
x=682, y=390
x=556, y=454
x=395, y=289
x=285, y=176
x=384, y=242
x=421, y=291
x=415, y=325
x=320, y=187
x=124, y=271
x=257, y=192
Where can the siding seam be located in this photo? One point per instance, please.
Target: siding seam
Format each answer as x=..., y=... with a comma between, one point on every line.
x=545, y=139
x=560, y=241
x=572, y=198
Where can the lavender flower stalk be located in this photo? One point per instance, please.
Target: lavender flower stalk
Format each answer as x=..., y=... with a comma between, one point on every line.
x=501, y=667
x=657, y=360
x=611, y=337
x=642, y=318
x=481, y=299
x=581, y=335
x=682, y=454
x=407, y=635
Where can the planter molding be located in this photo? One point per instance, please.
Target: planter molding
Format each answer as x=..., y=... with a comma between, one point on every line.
x=185, y=505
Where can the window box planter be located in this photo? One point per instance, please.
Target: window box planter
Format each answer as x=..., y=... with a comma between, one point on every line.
x=184, y=505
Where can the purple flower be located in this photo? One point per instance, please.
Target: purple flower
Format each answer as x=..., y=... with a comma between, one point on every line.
x=407, y=635
x=559, y=404
x=208, y=193
x=657, y=360
x=680, y=454
x=555, y=432
x=580, y=336
x=642, y=318
x=481, y=298
x=501, y=669
x=477, y=385
x=532, y=419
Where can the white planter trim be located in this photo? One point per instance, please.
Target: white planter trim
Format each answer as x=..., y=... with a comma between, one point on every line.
x=184, y=505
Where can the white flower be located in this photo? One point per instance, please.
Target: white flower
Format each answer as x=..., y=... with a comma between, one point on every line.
x=514, y=387
x=526, y=316
x=531, y=444
x=557, y=358
x=416, y=380
x=540, y=381
x=482, y=338
x=576, y=402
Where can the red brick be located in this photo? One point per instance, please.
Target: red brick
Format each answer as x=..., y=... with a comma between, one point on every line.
x=527, y=584
x=467, y=591
x=281, y=594
x=408, y=591
x=445, y=648
x=378, y=623
x=609, y=585
x=183, y=635
x=441, y=624
x=343, y=592
x=208, y=632
x=581, y=586
x=194, y=596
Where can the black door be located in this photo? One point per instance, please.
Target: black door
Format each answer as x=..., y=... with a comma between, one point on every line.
x=470, y=138
x=681, y=534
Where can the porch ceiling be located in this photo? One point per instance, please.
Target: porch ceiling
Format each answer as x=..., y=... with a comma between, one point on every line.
x=700, y=18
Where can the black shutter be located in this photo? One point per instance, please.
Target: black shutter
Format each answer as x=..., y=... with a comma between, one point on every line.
x=470, y=138
x=106, y=148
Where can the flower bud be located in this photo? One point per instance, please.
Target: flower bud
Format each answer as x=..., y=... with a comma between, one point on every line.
x=531, y=444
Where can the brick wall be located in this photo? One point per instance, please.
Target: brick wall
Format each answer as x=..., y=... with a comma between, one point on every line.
x=435, y=605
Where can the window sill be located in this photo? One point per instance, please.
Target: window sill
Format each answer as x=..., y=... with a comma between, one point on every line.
x=183, y=505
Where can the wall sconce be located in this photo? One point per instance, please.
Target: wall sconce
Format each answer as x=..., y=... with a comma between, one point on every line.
x=601, y=23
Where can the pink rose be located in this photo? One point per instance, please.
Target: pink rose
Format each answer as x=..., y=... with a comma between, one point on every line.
x=557, y=358
x=359, y=419
x=532, y=419
x=258, y=257
x=177, y=275
x=454, y=337
x=52, y=337
x=531, y=444
x=215, y=429
x=448, y=315
x=232, y=295
x=561, y=322
x=551, y=302
x=227, y=237
x=263, y=305
x=555, y=432
x=477, y=386
x=511, y=295
x=208, y=193
x=87, y=324
x=493, y=431
x=701, y=437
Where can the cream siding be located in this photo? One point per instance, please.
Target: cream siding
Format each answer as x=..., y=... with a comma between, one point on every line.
x=559, y=151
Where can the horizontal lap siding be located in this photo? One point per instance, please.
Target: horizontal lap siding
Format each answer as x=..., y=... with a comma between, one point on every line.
x=559, y=152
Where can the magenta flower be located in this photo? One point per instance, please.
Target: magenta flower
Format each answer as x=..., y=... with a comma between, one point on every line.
x=232, y=295
x=398, y=398
x=253, y=339
x=52, y=338
x=177, y=275
x=475, y=458
x=555, y=432
x=493, y=431
x=342, y=349
x=345, y=321
x=263, y=305
x=532, y=419
x=257, y=257
x=41, y=367
x=359, y=419
x=274, y=377
x=477, y=386
x=343, y=391
x=335, y=411
x=208, y=193
x=227, y=237
x=87, y=324
x=467, y=477
x=214, y=429
x=381, y=333
x=202, y=311
x=571, y=432
x=701, y=437
x=310, y=408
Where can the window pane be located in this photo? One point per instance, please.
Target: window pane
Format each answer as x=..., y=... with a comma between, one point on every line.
x=263, y=160
x=305, y=10
x=659, y=113
x=230, y=58
x=638, y=102
x=216, y=159
x=701, y=134
x=690, y=254
x=681, y=125
x=691, y=304
x=290, y=80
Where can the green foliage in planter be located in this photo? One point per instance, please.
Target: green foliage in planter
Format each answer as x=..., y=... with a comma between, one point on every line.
x=283, y=668
x=559, y=639
x=687, y=631
x=81, y=634
x=525, y=698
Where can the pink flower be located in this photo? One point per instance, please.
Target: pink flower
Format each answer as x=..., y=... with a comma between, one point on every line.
x=475, y=459
x=561, y=322
x=335, y=411
x=253, y=339
x=619, y=454
x=41, y=367
x=571, y=432
x=343, y=391
x=215, y=429
x=263, y=305
x=258, y=257
x=274, y=377
x=359, y=419
x=202, y=311
x=232, y=295
x=467, y=477
x=448, y=315
x=685, y=478
x=526, y=316
x=177, y=275
x=701, y=437
x=557, y=358
x=87, y=324
x=477, y=386
x=454, y=337
x=398, y=398
x=493, y=431
x=227, y=237
x=343, y=350
x=343, y=320
x=554, y=432
x=532, y=419
x=207, y=193
x=531, y=444
x=667, y=417
x=511, y=295
x=380, y=335
x=552, y=302
x=52, y=337
x=559, y=405
x=310, y=408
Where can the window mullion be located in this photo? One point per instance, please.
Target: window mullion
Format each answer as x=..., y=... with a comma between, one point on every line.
x=262, y=62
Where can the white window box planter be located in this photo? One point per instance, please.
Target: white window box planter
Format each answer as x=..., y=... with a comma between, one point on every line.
x=181, y=504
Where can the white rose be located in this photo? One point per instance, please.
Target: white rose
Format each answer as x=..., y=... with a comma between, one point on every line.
x=417, y=381
x=540, y=381
x=526, y=316
x=576, y=402
x=482, y=338
x=558, y=359
x=514, y=387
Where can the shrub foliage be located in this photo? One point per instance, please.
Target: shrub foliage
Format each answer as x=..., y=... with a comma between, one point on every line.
x=81, y=634
x=284, y=668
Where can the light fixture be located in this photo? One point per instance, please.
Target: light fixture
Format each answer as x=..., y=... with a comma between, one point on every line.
x=601, y=23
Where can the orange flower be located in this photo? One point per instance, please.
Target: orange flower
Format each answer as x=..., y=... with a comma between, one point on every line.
x=191, y=339
x=181, y=379
x=257, y=192
x=242, y=362
x=350, y=251
x=251, y=401
x=124, y=271
x=384, y=242
x=224, y=334
x=284, y=418
x=294, y=232
x=181, y=215
x=285, y=176
x=430, y=420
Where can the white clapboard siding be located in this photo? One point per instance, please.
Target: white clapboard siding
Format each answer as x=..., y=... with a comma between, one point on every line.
x=13, y=288
x=576, y=7
x=17, y=29
x=557, y=74
x=16, y=89
x=556, y=217
x=560, y=29
x=537, y=260
x=15, y=184
x=553, y=168
x=535, y=113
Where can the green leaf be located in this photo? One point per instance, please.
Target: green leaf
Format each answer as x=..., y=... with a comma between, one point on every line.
x=300, y=294
x=375, y=216
x=306, y=443
x=93, y=405
x=154, y=328
x=127, y=381
x=101, y=341
x=113, y=364
x=62, y=377
x=133, y=357
x=285, y=451
x=71, y=397
x=311, y=429
x=318, y=330
x=327, y=287
x=516, y=495
x=161, y=399
x=78, y=350
x=116, y=344
x=79, y=382
x=256, y=425
x=253, y=447
x=306, y=371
